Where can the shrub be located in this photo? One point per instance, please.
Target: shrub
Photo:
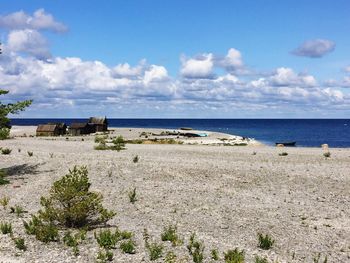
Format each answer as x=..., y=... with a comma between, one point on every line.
x=283, y=154
x=73, y=240
x=5, y=228
x=128, y=247
x=155, y=250
x=104, y=256
x=101, y=139
x=20, y=244
x=51, y=155
x=71, y=204
x=234, y=256
x=6, y=151
x=327, y=154
x=4, y=133
x=170, y=257
x=169, y=234
x=135, y=159
x=4, y=201
x=106, y=239
x=119, y=143
x=132, y=196
x=45, y=232
x=30, y=154
x=265, y=242
x=260, y=260
x=214, y=254
x=3, y=180
x=196, y=249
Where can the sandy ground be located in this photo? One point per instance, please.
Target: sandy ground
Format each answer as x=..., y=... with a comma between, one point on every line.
x=226, y=194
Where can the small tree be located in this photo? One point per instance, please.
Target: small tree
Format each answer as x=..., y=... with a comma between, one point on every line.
x=71, y=204
x=5, y=110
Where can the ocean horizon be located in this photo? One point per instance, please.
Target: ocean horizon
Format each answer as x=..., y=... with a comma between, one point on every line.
x=306, y=132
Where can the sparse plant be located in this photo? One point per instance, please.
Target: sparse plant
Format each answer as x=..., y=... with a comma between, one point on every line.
x=132, y=196
x=119, y=143
x=265, y=242
x=4, y=133
x=71, y=204
x=104, y=256
x=18, y=210
x=214, y=254
x=155, y=250
x=6, y=151
x=234, y=256
x=4, y=201
x=135, y=159
x=283, y=154
x=317, y=258
x=6, y=228
x=45, y=232
x=73, y=240
x=3, y=179
x=327, y=155
x=170, y=257
x=106, y=239
x=20, y=243
x=169, y=234
x=30, y=154
x=19, y=150
x=196, y=249
x=128, y=247
x=51, y=155
x=101, y=139
x=259, y=259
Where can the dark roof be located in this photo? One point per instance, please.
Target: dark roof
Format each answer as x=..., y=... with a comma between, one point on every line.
x=98, y=120
x=78, y=125
x=47, y=127
x=59, y=124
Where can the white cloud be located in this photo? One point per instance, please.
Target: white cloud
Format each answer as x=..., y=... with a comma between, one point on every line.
x=232, y=61
x=315, y=48
x=287, y=77
x=40, y=20
x=199, y=67
x=29, y=41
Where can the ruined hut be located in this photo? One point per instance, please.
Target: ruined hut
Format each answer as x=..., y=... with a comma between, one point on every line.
x=48, y=130
x=98, y=124
x=79, y=128
x=62, y=127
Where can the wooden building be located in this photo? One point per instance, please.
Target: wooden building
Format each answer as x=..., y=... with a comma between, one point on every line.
x=79, y=128
x=48, y=130
x=99, y=124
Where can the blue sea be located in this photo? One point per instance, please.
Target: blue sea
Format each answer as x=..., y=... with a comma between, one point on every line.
x=306, y=132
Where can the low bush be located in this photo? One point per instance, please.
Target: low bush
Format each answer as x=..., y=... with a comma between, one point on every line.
x=135, y=159
x=283, y=154
x=169, y=234
x=128, y=246
x=4, y=133
x=18, y=210
x=132, y=196
x=6, y=151
x=214, y=254
x=234, y=256
x=196, y=249
x=30, y=154
x=4, y=201
x=6, y=228
x=104, y=256
x=45, y=232
x=20, y=243
x=265, y=242
x=3, y=179
x=261, y=260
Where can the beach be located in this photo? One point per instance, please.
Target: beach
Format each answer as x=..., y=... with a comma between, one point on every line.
x=225, y=194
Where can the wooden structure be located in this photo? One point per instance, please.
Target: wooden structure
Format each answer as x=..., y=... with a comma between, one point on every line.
x=52, y=129
x=98, y=124
x=79, y=128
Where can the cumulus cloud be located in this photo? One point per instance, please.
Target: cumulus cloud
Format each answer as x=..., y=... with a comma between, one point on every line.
x=315, y=48
x=198, y=67
x=287, y=77
x=40, y=20
x=28, y=41
x=232, y=61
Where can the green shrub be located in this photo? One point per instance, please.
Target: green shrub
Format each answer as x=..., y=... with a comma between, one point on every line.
x=169, y=234
x=265, y=242
x=3, y=179
x=132, y=196
x=71, y=204
x=170, y=257
x=5, y=228
x=214, y=254
x=155, y=250
x=6, y=151
x=107, y=239
x=4, y=201
x=104, y=256
x=196, y=249
x=118, y=143
x=20, y=244
x=4, y=133
x=128, y=247
x=73, y=240
x=45, y=232
x=234, y=256
x=101, y=139
x=18, y=210
x=30, y=154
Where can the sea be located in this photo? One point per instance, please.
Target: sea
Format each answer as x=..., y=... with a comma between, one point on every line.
x=305, y=132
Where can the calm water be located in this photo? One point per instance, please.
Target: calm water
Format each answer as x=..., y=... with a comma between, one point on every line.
x=306, y=132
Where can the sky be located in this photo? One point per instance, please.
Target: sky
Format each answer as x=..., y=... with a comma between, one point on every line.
x=177, y=59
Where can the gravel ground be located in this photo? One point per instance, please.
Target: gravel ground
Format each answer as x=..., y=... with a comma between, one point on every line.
x=225, y=194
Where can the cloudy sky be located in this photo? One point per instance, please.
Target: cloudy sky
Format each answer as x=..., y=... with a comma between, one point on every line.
x=177, y=59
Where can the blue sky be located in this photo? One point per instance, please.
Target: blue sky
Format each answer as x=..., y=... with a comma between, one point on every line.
x=293, y=58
